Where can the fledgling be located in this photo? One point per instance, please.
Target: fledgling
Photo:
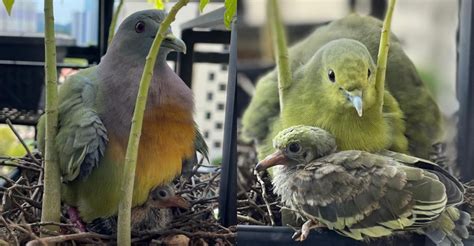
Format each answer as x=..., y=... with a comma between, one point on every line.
x=94, y=119
x=364, y=195
x=155, y=214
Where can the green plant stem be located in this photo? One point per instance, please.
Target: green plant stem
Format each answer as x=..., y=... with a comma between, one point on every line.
x=383, y=54
x=124, y=230
x=280, y=49
x=113, y=23
x=52, y=185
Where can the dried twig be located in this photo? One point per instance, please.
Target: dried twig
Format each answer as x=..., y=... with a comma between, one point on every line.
x=249, y=219
x=22, y=142
x=69, y=237
x=21, y=209
x=264, y=196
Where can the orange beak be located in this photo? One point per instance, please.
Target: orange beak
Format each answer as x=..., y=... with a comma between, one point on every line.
x=175, y=202
x=277, y=158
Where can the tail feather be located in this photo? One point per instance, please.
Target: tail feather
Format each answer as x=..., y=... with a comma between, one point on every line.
x=201, y=147
x=461, y=224
x=450, y=228
x=107, y=226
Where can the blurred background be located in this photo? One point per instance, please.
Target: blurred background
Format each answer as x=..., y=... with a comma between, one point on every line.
x=80, y=35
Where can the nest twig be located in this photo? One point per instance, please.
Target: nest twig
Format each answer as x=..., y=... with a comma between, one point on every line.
x=256, y=203
x=20, y=211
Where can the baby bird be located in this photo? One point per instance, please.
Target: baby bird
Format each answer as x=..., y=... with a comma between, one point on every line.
x=155, y=214
x=363, y=195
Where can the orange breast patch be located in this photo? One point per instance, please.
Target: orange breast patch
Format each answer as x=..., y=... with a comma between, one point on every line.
x=167, y=137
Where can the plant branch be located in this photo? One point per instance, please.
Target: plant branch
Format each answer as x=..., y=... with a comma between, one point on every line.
x=113, y=23
x=124, y=227
x=280, y=49
x=52, y=185
x=383, y=54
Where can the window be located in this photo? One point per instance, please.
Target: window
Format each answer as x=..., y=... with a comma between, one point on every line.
x=220, y=106
x=211, y=76
x=222, y=87
x=209, y=96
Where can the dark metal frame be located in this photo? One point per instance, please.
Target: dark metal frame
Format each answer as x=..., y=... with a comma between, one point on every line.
x=211, y=30
x=228, y=184
x=250, y=235
x=465, y=89
x=92, y=54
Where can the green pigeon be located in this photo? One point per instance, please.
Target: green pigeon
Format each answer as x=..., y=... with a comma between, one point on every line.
x=333, y=87
x=94, y=120
x=364, y=195
x=155, y=214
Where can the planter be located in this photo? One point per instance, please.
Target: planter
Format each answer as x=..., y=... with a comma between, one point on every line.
x=249, y=235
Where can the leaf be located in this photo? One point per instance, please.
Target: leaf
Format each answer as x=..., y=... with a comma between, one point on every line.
x=202, y=4
x=159, y=4
x=230, y=10
x=8, y=5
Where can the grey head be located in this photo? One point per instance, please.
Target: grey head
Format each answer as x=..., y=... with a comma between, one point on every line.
x=137, y=32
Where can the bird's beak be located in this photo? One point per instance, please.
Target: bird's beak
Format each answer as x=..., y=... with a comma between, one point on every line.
x=175, y=201
x=355, y=97
x=277, y=158
x=174, y=43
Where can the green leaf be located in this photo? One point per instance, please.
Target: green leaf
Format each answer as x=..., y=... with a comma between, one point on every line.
x=159, y=4
x=202, y=4
x=230, y=10
x=8, y=5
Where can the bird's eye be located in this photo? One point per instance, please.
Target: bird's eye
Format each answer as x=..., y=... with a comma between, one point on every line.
x=294, y=147
x=331, y=75
x=368, y=73
x=140, y=27
x=163, y=194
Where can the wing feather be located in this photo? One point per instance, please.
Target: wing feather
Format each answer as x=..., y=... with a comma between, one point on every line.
x=82, y=137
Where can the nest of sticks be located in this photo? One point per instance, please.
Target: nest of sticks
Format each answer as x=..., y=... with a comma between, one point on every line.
x=20, y=211
x=256, y=202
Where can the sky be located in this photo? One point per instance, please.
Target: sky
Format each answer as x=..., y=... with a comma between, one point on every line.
x=63, y=9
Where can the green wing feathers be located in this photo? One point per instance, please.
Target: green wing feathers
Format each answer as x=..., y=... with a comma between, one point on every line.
x=263, y=109
x=200, y=145
x=82, y=137
x=454, y=188
x=81, y=144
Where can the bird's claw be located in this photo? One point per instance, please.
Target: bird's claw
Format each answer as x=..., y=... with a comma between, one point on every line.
x=76, y=219
x=302, y=234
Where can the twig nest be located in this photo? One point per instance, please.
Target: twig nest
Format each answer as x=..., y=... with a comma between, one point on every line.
x=201, y=242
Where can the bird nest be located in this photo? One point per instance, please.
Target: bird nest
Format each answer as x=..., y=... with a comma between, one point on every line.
x=21, y=192
x=256, y=203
